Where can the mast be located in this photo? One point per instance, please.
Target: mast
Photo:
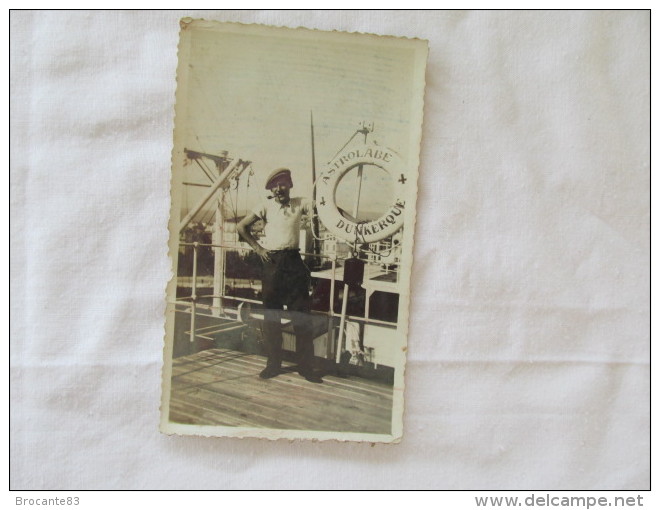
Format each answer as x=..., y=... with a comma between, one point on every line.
x=316, y=248
x=219, y=258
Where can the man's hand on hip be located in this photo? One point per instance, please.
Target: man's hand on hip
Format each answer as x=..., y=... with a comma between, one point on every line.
x=263, y=254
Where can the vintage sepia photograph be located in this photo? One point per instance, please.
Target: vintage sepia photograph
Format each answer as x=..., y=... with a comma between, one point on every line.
x=294, y=183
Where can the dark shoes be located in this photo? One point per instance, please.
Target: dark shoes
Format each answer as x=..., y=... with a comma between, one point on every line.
x=269, y=373
x=310, y=376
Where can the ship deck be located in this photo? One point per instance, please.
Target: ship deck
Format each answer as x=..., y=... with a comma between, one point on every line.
x=222, y=387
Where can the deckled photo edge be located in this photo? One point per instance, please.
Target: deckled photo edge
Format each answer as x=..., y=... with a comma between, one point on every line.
x=420, y=51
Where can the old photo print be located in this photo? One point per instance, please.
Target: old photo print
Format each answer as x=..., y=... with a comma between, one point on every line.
x=294, y=182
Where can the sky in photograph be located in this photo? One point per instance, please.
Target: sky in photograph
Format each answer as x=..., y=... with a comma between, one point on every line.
x=253, y=96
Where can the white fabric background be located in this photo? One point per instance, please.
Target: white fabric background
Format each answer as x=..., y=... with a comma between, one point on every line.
x=529, y=345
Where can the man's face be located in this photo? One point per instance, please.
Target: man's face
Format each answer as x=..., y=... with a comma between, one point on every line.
x=280, y=191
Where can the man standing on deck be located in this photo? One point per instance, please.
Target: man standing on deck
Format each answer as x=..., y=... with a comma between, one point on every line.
x=285, y=279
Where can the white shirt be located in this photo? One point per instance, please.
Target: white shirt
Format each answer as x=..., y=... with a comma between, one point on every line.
x=282, y=222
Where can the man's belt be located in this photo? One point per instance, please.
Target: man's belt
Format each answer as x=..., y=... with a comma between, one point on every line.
x=286, y=250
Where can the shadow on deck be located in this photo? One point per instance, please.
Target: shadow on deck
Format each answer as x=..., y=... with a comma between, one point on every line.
x=222, y=387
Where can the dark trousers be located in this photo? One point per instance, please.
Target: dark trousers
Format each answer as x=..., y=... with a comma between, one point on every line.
x=286, y=281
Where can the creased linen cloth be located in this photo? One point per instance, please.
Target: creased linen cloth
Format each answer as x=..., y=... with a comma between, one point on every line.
x=528, y=360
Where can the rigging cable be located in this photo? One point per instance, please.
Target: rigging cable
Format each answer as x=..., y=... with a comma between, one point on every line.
x=349, y=141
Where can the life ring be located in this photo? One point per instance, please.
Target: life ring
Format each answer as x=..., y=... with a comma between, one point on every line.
x=348, y=228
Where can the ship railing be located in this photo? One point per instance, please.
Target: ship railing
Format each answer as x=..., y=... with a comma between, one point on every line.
x=192, y=301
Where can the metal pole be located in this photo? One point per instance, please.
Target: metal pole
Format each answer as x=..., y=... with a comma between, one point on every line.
x=358, y=189
x=209, y=195
x=331, y=309
x=342, y=323
x=204, y=170
x=311, y=119
x=194, y=293
x=316, y=249
x=218, y=259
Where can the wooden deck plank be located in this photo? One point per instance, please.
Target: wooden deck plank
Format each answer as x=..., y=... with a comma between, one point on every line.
x=241, y=413
x=259, y=415
x=269, y=400
x=188, y=413
x=222, y=372
x=259, y=361
x=272, y=390
x=333, y=385
x=351, y=384
x=222, y=387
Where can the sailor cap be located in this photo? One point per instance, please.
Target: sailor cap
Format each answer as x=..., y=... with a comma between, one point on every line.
x=279, y=175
